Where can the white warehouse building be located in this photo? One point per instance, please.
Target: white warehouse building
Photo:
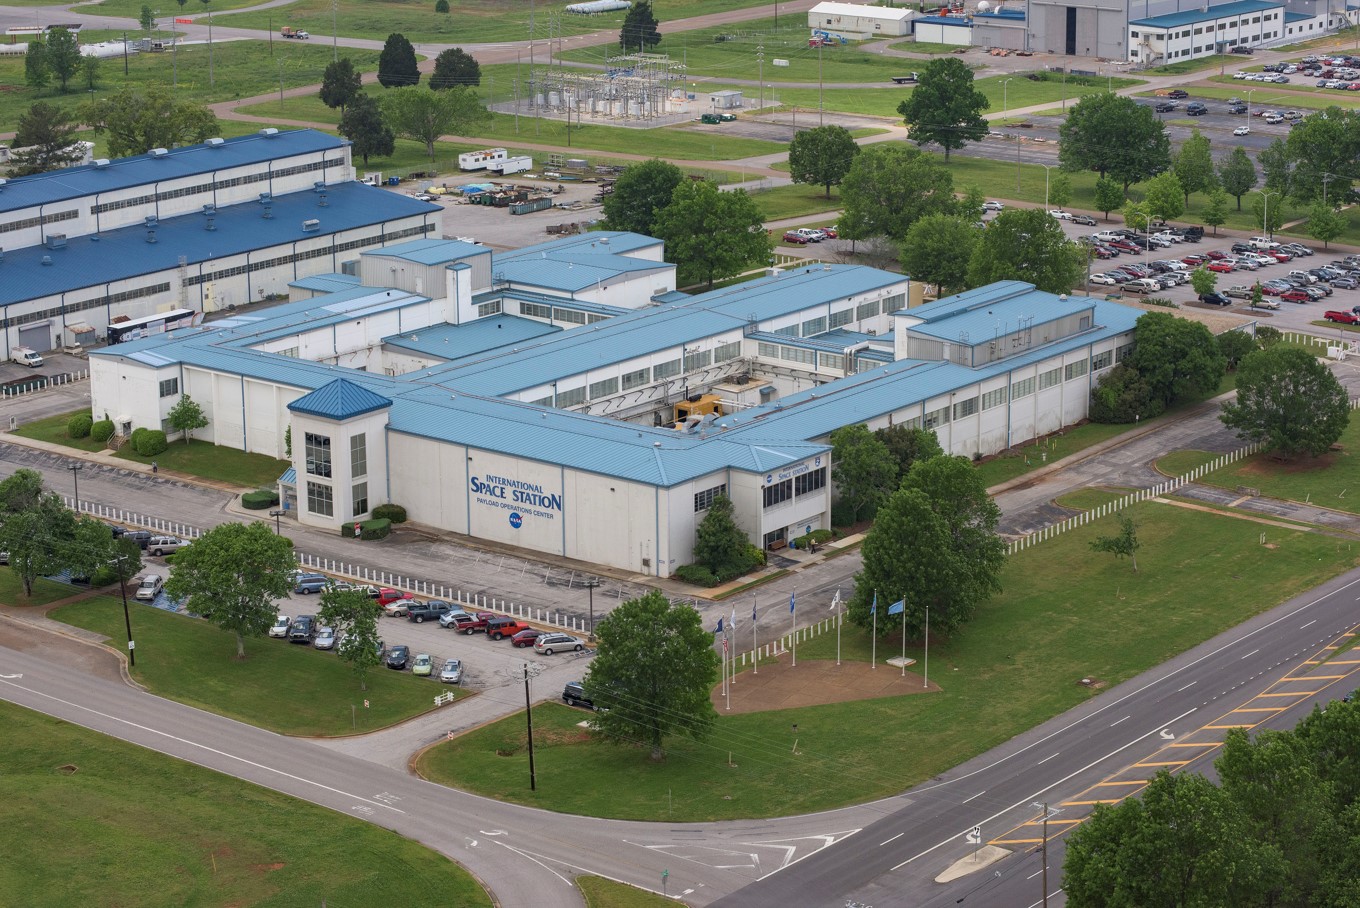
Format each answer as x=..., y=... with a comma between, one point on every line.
x=860, y=21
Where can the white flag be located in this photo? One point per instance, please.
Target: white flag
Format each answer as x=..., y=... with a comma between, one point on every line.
x=836, y=601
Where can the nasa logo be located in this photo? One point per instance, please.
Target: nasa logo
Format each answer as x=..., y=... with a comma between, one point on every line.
x=516, y=519
x=769, y=478
x=817, y=462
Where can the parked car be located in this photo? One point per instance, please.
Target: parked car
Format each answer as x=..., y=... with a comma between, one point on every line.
x=1295, y=296
x=1165, y=106
x=423, y=665
x=1345, y=283
x=527, y=637
x=1060, y=214
x=502, y=627
x=1238, y=291
x=461, y=622
x=1196, y=109
x=325, y=638
x=811, y=234
x=1179, y=94
x=149, y=588
x=432, y=610
x=309, y=583
x=1103, y=279
x=574, y=694
x=280, y=626
x=1222, y=267
x=1215, y=299
x=1084, y=219
x=397, y=657
x=1345, y=318
x=452, y=672
x=793, y=237
x=394, y=603
x=164, y=545
x=993, y=206
x=302, y=629
x=450, y=618
x=558, y=643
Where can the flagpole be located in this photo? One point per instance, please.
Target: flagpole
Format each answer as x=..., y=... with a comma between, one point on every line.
x=730, y=660
x=838, y=629
x=793, y=626
x=873, y=646
x=904, y=640
x=925, y=679
x=731, y=626
x=755, y=647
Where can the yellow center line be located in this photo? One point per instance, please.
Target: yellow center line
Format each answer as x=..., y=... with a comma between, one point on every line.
x=1130, y=782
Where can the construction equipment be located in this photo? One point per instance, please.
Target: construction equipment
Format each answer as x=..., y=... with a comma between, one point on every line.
x=691, y=411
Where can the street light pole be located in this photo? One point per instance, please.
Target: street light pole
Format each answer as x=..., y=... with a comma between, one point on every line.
x=1047, y=168
x=590, y=586
x=1005, y=100
x=529, y=717
x=75, y=478
x=1265, y=212
x=1250, y=92
x=276, y=513
x=127, y=618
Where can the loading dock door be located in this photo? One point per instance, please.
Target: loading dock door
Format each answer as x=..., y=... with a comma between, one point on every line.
x=37, y=337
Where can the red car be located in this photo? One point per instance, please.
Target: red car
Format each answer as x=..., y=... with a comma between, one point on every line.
x=1194, y=260
x=1345, y=318
x=527, y=637
x=1222, y=267
x=795, y=238
x=1216, y=255
x=1295, y=296
x=1125, y=246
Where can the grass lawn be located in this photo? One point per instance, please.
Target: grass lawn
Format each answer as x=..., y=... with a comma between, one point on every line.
x=602, y=893
x=198, y=458
x=1336, y=326
x=44, y=591
x=53, y=429
x=795, y=200
x=141, y=828
x=1178, y=463
x=194, y=662
x=1193, y=66
x=1032, y=456
x=1064, y=615
x=924, y=47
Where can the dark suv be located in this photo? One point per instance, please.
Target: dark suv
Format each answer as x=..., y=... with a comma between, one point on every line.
x=1196, y=109
x=574, y=694
x=427, y=611
x=302, y=630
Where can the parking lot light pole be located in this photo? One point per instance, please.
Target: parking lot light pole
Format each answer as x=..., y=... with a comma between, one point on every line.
x=1265, y=212
x=127, y=618
x=1047, y=168
x=1005, y=98
x=75, y=478
x=276, y=513
x=1250, y=92
x=590, y=586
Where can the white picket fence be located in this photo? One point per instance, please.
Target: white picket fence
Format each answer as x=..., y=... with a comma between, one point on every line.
x=782, y=644
x=131, y=518
x=44, y=383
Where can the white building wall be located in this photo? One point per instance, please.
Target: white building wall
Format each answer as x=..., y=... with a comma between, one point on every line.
x=611, y=521
x=497, y=492
x=342, y=478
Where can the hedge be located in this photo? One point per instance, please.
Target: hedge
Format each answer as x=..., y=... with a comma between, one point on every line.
x=393, y=512
x=135, y=439
x=78, y=426
x=102, y=430
x=151, y=443
x=259, y=499
x=103, y=576
x=696, y=574
x=373, y=528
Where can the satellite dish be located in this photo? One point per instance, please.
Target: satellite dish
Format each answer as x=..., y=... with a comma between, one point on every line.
x=983, y=6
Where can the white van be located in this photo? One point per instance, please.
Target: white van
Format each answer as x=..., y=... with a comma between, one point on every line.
x=25, y=357
x=149, y=588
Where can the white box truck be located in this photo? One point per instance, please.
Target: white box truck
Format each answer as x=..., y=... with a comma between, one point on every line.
x=481, y=160
x=25, y=357
x=517, y=164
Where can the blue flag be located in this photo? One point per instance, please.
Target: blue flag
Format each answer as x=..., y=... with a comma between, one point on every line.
x=719, y=630
x=791, y=603
x=753, y=613
x=897, y=607
x=873, y=609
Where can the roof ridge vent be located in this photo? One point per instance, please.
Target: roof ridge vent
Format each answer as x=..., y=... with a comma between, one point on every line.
x=100, y=163
x=269, y=132
x=215, y=142
x=311, y=225
x=151, y=236
x=47, y=260
x=151, y=220
x=158, y=152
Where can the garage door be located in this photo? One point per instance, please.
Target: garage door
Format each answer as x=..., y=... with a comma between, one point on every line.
x=37, y=337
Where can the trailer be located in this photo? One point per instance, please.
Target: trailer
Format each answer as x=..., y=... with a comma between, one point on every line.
x=289, y=32
x=517, y=164
x=481, y=160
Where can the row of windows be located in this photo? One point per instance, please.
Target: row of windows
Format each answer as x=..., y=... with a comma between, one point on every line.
x=320, y=499
x=1074, y=370
x=605, y=388
x=704, y=500
x=936, y=418
x=798, y=355
x=243, y=180
x=780, y=492
x=841, y=319
x=723, y=352
x=322, y=252
x=698, y=359
x=814, y=326
x=1102, y=361
x=1023, y=388
x=534, y=310
x=636, y=379
x=965, y=408
x=25, y=223
x=491, y=308
x=993, y=399
x=571, y=398
x=82, y=305
x=1050, y=378
x=570, y=315
x=809, y=482
x=831, y=361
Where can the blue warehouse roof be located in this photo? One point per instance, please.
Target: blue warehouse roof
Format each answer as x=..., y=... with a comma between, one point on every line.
x=433, y=252
x=1221, y=11
x=339, y=400
x=988, y=311
x=452, y=342
x=326, y=283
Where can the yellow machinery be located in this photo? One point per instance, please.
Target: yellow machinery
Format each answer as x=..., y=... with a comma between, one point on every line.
x=696, y=407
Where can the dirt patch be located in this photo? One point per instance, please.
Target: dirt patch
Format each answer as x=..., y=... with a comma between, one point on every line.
x=781, y=685
x=1272, y=466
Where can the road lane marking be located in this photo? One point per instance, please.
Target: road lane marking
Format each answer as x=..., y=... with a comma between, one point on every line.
x=974, y=797
x=1130, y=782
x=1250, y=654
x=1187, y=687
x=1309, y=624
x=1046, y=759
x=893, y=839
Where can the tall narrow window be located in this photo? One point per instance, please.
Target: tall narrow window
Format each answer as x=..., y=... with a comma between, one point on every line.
x=358, y=456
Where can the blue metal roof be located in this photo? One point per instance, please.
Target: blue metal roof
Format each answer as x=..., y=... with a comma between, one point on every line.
x=1221, y=11
x=600, y=241
x=144, y=169
x=326, y=283
x=288, y=477
x=1296, y=17
x=36, y=271
x=998, y=308
x=434, y=252
x=452, y=342
x=339, y=400
x=1013, y=14
x=941, y=20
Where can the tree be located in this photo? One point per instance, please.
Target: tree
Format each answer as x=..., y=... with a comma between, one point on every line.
x=1059, y=190
x=890, y=187
x=355, y=620
x=1216, y=212
x=1268, y=209
x=640, y=193
x=89, y=548
x=863, y=470
x=719, y=544
x=1325, y=223
x=710, y=234
x=137, y=123
x=340, y=84
x=1123, y=395
x=425, y=115
x=1178, y=358
x=639, y=30
x=907, y=444
x=1289, y=400
x=90, y=66
x=933, y=544
x=1122, y=544
x=147, y=19
x=821, y=156
x=937, y=250
x=1277, y=167
x=362, y=123
x=1163, y=196
x=652, y=673
x=1113, y=135
x=1235, y=345
x=397, y=65
x=1323, y=149
x=61, y=55
x=1203, y=281
x=232, y=575
x=1256, y=295
x=1194, y=166
x=1109, y=195
x=47, y=136
x=945, y=108
x=1237, y=174
x=455, y=67
x=185, y=416
x=36, y=528
x=1025, y=244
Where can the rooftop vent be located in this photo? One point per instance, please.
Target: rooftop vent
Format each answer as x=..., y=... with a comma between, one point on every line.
x=215, y=142
x=47, y=260
x=311, y=225
x=101, y=163
x=269, y=132
x=152, y=220
x=151, y=236
x=158, y=152
x=56, y=241
x=209, y=223
x=210, y=209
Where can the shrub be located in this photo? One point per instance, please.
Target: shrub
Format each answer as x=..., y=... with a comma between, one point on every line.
x=135, y=439
x=103, y=576
x=393, y=512
x=1161, y=301
x=102, y=430
x=841, y=516
x=259, y=499
x=817, y=536
x=696, y=574
x=78, y=426
x=151, y=443
x=373, y=528
x=441, y=6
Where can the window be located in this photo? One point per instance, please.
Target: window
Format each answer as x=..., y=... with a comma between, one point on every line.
x=798, y=355
x=569, y=315
x=318, y=450
x=704, y=500
x=571, y=398
x=542, y=402
x=319, y=499
x=1121, y=353
x=1102, y=361
x=770, y=351
x=666, y=370
x=814, y=326
x=606, y=388
x=1022, y=388
x=534, y=310
x=965, y=408
x=1050, y=378
x=936, y=418
x=697, y=359
x=723, y=352
x=635, y=379
x=809, y=482
x=830, y=361
x=1074, y=370
x=995, y=398
x=778, y=493
x=790, y=331
x=895, y=302
x=842, y=318
x=491, y=308
x=360, y=498
x=866, y=310
x=358, y=458
x=169, y=387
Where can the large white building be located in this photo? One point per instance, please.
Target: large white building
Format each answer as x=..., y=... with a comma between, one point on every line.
x=859, y=20
x=526, y=398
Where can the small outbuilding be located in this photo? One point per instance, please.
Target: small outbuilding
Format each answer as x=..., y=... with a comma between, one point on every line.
x=726, y=100
x=856, y=20
x=944, y=30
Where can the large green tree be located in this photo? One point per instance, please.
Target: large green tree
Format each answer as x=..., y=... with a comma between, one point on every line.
x=934, y=544
x=889, y=188
x=36, y=528
x=1109, y=195
x=863, y=470
x=639, y=30
x=1325, y=223
x=652, y=673
x=1164, y=196
x=137, y=122
x=945, y=108
x=710, y=234
x=821, y=156
x=1267, y=209
x=937, y=250
x=1194, y=166
x=47, y=136
x=1113, y=135
x=1325, y=150
x=340, y=84
x=1277, y=167
x=1215, y=212
x=719, y=544
x=1237, y=174
x=640, y=193
x=908, y=444
x=1289, y=400
x=397, y=65
x=363, y=124
x=455, y=66
x=424, y=115
x=1026, y=244
x=63, y=54
x=1178, y=358
x=234, y=574
x=1123, y=395
x=355, y=620
x=37, y=67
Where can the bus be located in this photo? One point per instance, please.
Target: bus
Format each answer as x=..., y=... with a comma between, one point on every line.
x=147, y=325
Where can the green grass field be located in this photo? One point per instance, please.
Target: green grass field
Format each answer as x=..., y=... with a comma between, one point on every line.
x=1065, y=615
x=194, y=662
x=924, y=47
x=602, y=893
x=1193, y=66
x=53, y=429
x=44, y=591
x=795, y=200
x=136, y=827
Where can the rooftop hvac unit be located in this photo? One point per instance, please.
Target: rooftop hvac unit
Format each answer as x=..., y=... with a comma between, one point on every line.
x=311, y=224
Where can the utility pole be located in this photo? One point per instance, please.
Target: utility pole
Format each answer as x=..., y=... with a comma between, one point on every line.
x=529, y=718
x=1044, y=852
x=335, y=29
